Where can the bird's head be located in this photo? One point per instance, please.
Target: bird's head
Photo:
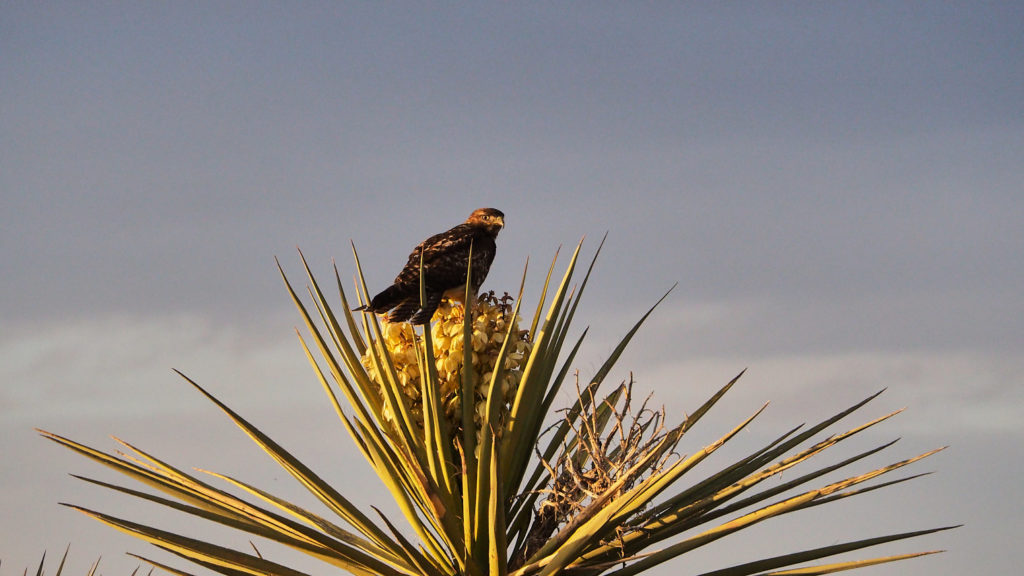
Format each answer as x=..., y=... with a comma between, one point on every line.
x=491, y=219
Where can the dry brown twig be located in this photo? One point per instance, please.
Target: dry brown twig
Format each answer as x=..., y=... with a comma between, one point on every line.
x=596, y=465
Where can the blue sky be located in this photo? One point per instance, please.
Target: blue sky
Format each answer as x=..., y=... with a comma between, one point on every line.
x=835, y=187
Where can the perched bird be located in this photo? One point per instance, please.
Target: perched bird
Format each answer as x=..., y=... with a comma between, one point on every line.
x=444, y=257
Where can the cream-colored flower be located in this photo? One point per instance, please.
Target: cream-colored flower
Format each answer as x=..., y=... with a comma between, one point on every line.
x=492, y=316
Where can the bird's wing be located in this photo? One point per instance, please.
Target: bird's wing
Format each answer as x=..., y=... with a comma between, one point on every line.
x=437, y=247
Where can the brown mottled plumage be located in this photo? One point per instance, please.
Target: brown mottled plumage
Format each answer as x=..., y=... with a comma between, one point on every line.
x=444, y=259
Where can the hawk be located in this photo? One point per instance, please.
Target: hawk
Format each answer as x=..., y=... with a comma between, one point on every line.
x=444, y=258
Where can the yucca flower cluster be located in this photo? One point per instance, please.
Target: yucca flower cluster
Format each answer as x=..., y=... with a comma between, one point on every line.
x=491, y=318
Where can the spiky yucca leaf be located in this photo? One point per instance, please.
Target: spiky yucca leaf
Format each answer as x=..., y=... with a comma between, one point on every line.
x=40, y=570
x=452, y=419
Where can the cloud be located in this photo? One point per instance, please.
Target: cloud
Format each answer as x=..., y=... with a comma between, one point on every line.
x=946, y=394
x=811, y=360
x=119, y=365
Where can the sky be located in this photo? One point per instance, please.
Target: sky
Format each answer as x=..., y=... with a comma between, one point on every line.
x=835, y=188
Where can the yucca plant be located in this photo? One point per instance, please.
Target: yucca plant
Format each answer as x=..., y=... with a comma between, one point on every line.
x=457, y=419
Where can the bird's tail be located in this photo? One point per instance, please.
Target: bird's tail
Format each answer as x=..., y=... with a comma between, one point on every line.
x=386, y=299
